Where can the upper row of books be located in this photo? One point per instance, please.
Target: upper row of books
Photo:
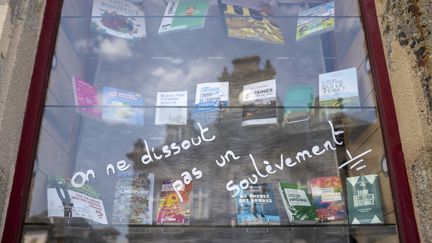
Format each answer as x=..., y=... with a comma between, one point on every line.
x=243, y=19
x=258, y=101
x=322, y=200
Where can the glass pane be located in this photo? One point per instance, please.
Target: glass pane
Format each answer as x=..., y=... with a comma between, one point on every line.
x=210, y=121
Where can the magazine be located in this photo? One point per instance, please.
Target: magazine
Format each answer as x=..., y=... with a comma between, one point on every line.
x=327, y=196
x=259, y=103
x=315, y=21
x=297, y=202
x=86, y=99
x=251, y=21
x=122, y=106
x=133, y=199
x=184, y=14
x=256, y=206
x=171, y=209
x=86, y=201
x=212, y=96
x=176, y=112
x=119, y=18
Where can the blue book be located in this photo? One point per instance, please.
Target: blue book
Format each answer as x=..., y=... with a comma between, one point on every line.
x=122, y=106
x=256, y=206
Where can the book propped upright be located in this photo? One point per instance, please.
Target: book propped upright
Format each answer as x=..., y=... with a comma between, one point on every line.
x=184, y=15
x=119, y=18
x=133, y=199
x=212, y=96
x=171, y=209
x=298, y=104
x=175, y=112
x=315, y=21
x=327, y=196
x=298, y=203
x=86, y=99
x=364, y=200
x=122, y=106
x=256, y=206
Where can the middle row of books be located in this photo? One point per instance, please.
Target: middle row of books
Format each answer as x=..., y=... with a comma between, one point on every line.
x=258, y=101
x=321, y=200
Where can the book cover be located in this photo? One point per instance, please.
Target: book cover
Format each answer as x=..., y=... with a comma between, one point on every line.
x=364, y=200
x=86, y=201
x=256, y=205
x=171, y=209
x=315, y=21
x=184, y=14
x=245, y=20
x=133, y=199
x=259, y=103
x=212, y=96
x=298, y=104
x=298, y=203
x=86, y=98
x=338, y=90
x=122, y=106
x=327, y=196
x=119, y=18
x=175, y=112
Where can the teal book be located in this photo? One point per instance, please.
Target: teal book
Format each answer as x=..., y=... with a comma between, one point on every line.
x=184, y=14
x=298, y=203
x=364, y=200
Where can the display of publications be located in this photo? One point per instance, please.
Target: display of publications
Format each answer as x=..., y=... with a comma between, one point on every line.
x=315, y=21
x=259, y=103
x=86, y=201
x=86, y=99
x=122, y=106
x=120, y=18
x=246, y=20
x=297, y=202
x=175, y=112
x=212, y=96
x=133, y=199
x=256, y=205
x=364, y=200
x=172, y=208
x=338, y=91
x=327, y=196
x=176, y=11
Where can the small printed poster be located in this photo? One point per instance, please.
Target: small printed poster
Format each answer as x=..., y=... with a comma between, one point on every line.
x=175, y=112
x=315, y=21
x=172, y=210
x=122, y=106
x=86, y=98
x=259, y=103
x=184, y=14
x=119, y=18
x=212, y=96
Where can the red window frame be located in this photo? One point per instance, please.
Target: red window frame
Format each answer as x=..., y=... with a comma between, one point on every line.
x=407, y=226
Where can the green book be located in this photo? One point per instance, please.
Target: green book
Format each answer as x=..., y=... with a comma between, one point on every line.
x=297, y=203
x=184, y=14
x=364, y=200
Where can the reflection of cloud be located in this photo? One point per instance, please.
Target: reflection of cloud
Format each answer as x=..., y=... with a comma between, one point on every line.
x=114, y=49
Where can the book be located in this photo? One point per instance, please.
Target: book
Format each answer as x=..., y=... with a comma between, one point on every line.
x=364, y=200
x=133, y=199
x=119, y=18
x=297, y=104
x=315, y=21
x=176, y=111
x=259, y=103
x=297, y=202
x=86, y=99
x=211, y=96
x=338, y=90
x=327, y=196
x=184, y=14
x=171, y=209
x=122, y=106
x=86, y=201
x=256, y=206
x=245, y=20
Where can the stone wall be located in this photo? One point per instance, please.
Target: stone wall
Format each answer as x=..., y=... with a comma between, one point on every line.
x=406, y=27
x=20, y=26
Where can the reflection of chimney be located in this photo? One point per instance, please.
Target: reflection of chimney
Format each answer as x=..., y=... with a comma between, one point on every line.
x=245, y=67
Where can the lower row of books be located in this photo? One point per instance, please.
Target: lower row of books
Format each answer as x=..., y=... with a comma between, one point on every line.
x=322, y=200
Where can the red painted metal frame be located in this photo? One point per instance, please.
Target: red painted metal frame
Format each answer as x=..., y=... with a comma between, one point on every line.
x=31, y=124
x=407, y=227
